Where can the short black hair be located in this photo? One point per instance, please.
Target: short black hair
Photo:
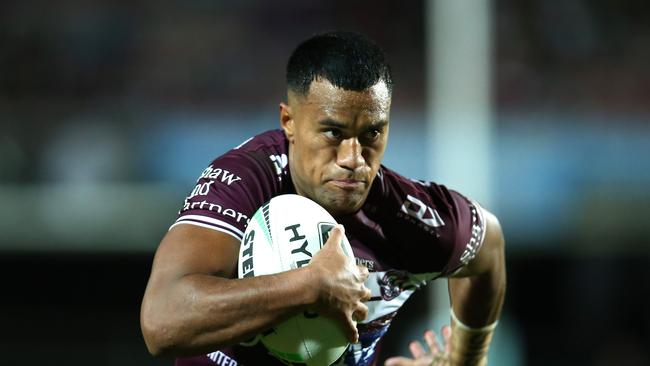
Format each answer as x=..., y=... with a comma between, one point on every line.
x=348, y=60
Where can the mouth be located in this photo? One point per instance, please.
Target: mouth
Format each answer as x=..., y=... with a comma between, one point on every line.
x=347, y=184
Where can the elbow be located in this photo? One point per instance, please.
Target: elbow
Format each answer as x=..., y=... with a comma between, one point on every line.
x=154, y=339
x=158, y=335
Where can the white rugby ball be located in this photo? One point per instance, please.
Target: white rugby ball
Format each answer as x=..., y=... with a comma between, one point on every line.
x=284, y=234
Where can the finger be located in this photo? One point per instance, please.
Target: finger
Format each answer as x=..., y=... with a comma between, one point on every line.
x=350, y=330
x=432, y=341
x=399, y=361
x=361, y=313
x=336, y=235
x=446, y=336
x=416, y=349
x=367, y=295
x=363, y=271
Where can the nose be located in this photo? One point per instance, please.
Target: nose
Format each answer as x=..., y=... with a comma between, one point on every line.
x=350, y=154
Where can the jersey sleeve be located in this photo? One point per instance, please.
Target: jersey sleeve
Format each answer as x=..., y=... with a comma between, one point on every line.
x=438, y=229
x=228, y=192
x=467, y=234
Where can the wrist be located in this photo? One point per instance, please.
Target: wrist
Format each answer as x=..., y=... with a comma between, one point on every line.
x=310, y=285
x=469, y=345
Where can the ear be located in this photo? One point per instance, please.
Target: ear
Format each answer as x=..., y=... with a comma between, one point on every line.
x=286, y=121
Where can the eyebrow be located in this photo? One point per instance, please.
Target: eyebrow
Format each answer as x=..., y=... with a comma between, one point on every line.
x=328, y=122
x=378, y=124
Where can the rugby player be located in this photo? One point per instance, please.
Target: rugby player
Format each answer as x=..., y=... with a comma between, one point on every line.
x=404, y=233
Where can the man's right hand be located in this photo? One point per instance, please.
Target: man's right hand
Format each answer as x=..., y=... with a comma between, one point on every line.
x=340, y=285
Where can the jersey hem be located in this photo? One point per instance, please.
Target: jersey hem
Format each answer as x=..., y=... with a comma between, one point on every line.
x=209, y=226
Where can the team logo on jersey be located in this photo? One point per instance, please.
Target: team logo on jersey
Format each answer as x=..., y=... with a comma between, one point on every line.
x=417, y=209
x=392, y=283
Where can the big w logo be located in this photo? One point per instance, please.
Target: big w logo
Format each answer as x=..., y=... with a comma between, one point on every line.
x=280, y=162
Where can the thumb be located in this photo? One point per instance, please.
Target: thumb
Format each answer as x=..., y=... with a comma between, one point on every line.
x=336, y=235
x=397, y=361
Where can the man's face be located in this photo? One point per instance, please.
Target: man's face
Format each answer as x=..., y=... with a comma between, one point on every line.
x=336, y=139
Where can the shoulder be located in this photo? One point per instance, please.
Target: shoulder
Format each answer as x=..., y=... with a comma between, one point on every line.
x=429, y=206
x=237, y=183
x=261, y=155
x=269, y=144
x=441, y=224
x=394, y=187
x=269, y=140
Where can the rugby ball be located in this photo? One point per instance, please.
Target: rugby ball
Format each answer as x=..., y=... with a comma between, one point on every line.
x=284, y=234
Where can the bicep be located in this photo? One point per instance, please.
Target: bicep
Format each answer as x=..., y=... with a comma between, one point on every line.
x=492, y=251
x=186, y=270
x=189, y=249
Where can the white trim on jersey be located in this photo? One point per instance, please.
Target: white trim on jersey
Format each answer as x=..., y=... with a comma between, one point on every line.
x=481, y=216
x=210, y=220
x=207, y=227
x=211, y=223
x=475, y=242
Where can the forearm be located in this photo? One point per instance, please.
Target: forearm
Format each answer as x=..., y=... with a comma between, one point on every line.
x=199, y=313
x=476, y=304
x=477, y=300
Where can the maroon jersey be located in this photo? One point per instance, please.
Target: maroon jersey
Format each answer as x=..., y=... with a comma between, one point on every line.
x=408, y=232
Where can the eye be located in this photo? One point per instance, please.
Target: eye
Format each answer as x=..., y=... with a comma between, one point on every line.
x=372, y=134
x=333, y=133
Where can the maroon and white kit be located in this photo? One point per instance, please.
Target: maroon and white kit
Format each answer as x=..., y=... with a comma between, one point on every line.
x=408, y=232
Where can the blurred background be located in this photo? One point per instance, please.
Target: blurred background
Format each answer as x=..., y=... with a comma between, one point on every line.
x=109, y=110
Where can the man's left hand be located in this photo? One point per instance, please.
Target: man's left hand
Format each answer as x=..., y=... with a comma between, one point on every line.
x=437, y=356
